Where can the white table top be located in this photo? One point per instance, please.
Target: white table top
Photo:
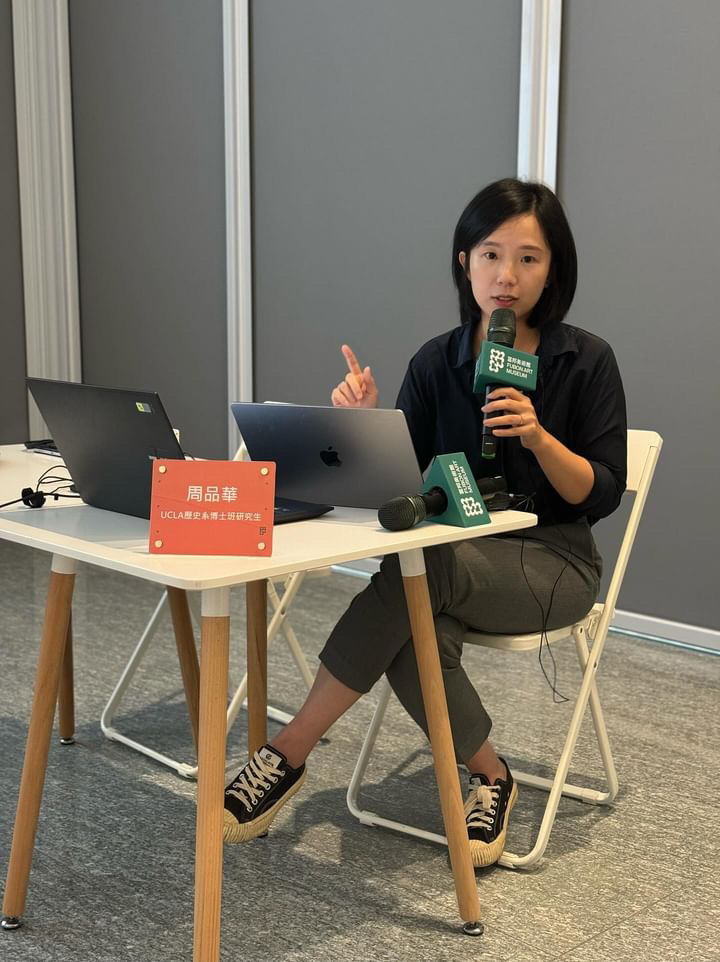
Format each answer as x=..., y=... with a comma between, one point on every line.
x=119, y=542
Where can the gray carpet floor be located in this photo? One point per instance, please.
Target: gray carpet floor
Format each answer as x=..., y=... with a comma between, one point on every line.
x=113, y=867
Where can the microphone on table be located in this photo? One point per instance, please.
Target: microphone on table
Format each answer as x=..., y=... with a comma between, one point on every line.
x=501, y=330
x=410, y=509
x=406, y=511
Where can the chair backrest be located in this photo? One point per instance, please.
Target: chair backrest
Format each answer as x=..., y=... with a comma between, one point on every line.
x=643, y=451
x=640, y=446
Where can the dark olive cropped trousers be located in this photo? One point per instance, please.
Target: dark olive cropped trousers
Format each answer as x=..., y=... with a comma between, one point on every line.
x=495, y=584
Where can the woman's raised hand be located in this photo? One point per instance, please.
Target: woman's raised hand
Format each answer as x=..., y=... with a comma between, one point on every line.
x=358, y=390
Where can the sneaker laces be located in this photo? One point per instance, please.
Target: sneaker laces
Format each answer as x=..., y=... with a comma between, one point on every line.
x=481, y=805
x=257, y=777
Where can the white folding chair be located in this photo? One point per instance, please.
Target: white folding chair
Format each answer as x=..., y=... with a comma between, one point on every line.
x=643, y=450
x=279, y=622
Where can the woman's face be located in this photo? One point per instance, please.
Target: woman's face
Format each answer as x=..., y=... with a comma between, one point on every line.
x=509, y=268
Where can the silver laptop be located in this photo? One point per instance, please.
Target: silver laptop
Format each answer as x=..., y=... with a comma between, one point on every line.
x=352, y=457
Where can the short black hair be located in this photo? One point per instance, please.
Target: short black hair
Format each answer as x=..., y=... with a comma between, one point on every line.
x=497, y=203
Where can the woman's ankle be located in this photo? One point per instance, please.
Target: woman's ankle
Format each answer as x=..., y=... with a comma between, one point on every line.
x=485, y=762
x=295, y=755
x=492, y=772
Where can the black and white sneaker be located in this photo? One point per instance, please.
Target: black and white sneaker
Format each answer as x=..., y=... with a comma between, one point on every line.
x=257, y=793
x=487, y=810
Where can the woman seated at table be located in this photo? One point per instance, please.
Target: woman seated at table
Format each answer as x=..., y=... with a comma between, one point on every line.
x=563, y=446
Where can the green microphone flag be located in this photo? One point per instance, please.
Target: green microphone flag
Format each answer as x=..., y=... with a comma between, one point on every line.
x=500, y=365
x=451, y=473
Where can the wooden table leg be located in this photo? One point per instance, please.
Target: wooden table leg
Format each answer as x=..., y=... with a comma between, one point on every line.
x=412, y=564
x=66, y=697
x=211, y=773
x=187, y=654
x=257, y=664
x=47, y=680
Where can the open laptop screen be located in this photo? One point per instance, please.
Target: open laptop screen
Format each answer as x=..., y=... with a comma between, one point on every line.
x=344, y=456
x=108, y=439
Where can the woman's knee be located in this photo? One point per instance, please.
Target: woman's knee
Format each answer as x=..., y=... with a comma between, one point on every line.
x=439, y=571
x=450, y=636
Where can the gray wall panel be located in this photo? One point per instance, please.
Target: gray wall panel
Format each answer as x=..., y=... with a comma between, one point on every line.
x=639, y=173
x=13, y=397
x=149, y=153
x=373, y=125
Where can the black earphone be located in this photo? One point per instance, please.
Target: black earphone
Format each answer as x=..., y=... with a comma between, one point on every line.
x=33, y=499
x=36, y=499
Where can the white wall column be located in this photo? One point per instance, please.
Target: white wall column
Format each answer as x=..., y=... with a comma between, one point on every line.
x=236, y=60
x=539, y=90
x=47, y=192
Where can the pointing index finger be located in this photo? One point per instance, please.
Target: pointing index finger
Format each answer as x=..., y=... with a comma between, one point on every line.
x=352, y=361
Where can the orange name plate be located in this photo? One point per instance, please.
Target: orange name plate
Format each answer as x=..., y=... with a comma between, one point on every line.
x=212, y=507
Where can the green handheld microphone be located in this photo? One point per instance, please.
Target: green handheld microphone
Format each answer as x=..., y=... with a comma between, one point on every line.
x=500, y=365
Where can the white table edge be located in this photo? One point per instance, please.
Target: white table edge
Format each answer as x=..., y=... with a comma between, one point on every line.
x=158, y=568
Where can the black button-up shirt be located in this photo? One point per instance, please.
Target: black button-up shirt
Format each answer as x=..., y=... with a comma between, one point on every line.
x=579, y=399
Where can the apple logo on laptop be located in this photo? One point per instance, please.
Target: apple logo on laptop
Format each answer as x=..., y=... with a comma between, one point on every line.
x=330, y=458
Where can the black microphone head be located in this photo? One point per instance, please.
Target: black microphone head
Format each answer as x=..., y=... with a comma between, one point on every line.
x=402, y=513
x=501, y=329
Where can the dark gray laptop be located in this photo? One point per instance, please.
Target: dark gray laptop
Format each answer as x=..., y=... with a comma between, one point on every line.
x=109, y=438
x=346, y=456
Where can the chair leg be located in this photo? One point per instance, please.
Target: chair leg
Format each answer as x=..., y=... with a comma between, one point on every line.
x=588, y=795
x=363, y=815
x=295, y=649
x=557, y=786
x=277, y=622
x=603, y=798
x=366, y=751
x=106, y=719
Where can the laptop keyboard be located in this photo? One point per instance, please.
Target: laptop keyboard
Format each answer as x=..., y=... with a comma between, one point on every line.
x=286, y=510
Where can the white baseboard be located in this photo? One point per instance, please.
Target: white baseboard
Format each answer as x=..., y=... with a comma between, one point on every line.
x=660, y=629
x=625, y=622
